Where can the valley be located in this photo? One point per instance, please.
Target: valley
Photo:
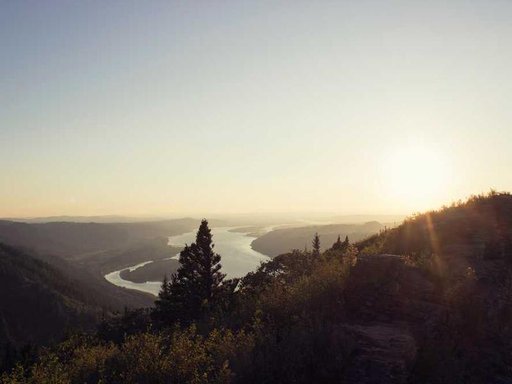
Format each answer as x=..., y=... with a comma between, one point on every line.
x=238, y=259
x=376, y=304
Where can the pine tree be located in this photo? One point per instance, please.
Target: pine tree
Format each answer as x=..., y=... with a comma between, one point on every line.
x=195, y=286
x=316, y=245
x=341, y=245
x=163, y=303
x=164, y=294
x=338, y=244
x=345, y=244
x=209, y=263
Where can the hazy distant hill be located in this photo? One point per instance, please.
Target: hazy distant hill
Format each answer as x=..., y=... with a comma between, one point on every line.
x=114, y=259
x=283, y=240
x=82, y=219
x=86, y=251
x=73, y=239
x=361, y=219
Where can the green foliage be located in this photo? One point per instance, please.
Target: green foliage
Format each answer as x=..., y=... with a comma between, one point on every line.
x=183, y=356
x=277, y=324
x=296, y=320
x=299, y=317
x=473, y=343
x=466, y=249
x=130, y=322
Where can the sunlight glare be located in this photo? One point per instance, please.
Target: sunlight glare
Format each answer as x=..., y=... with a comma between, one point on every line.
x=416, y=175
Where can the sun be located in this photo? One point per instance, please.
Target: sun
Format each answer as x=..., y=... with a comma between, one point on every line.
x=416, y=175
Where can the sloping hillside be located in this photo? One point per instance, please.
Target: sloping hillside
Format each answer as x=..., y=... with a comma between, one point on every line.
x=39, y=303
x=465, y=252
x=43, y=295
x=437, y=309
x=480, y=228
x=284, y=240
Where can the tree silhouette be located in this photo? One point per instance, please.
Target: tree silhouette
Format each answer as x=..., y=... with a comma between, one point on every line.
x=164, y=302
x=193, y=289
x=346, y=243
x=316, y=245
x=341, y=245
x=337, y=244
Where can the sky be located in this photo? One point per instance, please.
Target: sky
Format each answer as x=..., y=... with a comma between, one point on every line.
x=177, y=107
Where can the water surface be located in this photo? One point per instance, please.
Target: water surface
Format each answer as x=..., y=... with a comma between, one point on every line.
x=238, y=258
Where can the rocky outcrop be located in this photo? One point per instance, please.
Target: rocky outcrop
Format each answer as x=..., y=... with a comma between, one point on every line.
x=389, y=304
x=384, y=354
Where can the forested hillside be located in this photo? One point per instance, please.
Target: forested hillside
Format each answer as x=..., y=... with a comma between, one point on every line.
x=86, y=252
x=38, y=302
x=427, y=302
x=283, y=240
x=41, y=300
x=480, y=228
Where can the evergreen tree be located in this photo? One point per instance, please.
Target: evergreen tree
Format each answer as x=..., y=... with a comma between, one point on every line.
x=195, y=286
x=341, y=245
x=345, y=244
x=338, y=244
x=163, y=304
x=316, y=245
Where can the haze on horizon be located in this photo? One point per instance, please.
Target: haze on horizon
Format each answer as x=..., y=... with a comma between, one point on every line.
x=158, y=108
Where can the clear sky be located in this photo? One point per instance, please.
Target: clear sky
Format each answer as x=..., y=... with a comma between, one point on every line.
x=148, y=107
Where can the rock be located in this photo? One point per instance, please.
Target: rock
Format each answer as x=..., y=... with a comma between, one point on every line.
x=388, y=304
x=384, y=354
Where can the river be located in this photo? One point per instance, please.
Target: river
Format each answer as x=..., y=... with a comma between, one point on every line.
x=238, y=258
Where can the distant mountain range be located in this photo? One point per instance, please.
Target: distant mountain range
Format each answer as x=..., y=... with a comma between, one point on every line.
x=74, y=240
x=83, y=219
x=232, y=219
